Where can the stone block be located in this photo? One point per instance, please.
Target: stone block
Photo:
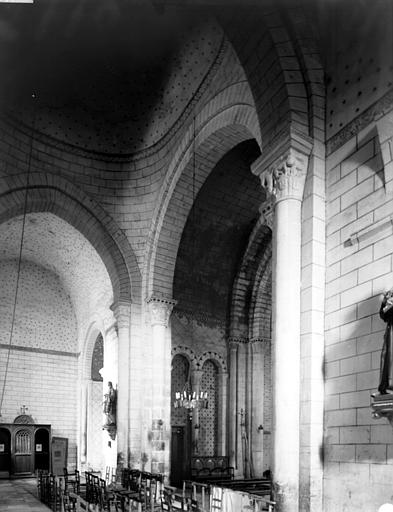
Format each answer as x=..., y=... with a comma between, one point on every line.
x=340, y=417
x=367, y=380
x=341, y=154
x=340, y=384
x=376, y=269
x=355, y=399
x=363, y=154
x=373, y=453
x=357, y=294
x=340, y=187
x=354, y=435
x=358, y=192
x=353, y=365
x=381, y=432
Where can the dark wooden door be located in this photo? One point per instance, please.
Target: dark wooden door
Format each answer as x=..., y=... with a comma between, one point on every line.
x=180, y=454
x=23, y=457
x=41, y=449
x=5, y=452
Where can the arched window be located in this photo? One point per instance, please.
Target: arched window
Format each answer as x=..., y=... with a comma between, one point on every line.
x=97, y=360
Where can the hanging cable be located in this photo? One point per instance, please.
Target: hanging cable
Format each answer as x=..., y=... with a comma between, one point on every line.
x=20, y=253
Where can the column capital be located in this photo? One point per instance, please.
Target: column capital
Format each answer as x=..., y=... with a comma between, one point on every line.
x=282, y=168
x=122, y=312
x=160, y=310
x=235, y=342
x=259, y=344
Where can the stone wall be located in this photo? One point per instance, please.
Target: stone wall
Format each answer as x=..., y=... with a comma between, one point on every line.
x=358, y=449
x=42, y=365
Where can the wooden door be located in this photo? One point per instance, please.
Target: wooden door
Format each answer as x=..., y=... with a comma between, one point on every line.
x=180, y=454
x=41, y=449
x=23, y=458
x=5, y=452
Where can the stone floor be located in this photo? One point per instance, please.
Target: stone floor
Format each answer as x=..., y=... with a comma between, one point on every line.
x=20, y=496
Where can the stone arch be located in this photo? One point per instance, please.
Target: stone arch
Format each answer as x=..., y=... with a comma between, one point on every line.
x=215, y=357
x=222, y=132
x=187, y=352
x=51, y=193
x=261, y=297
x=276, y=78
x=260, y=236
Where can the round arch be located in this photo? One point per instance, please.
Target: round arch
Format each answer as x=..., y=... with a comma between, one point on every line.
x=50, y=193
x=218, y=135
x=187, y=352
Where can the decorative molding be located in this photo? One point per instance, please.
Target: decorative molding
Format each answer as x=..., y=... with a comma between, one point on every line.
x=160, y=310
x=262, y=341
x=39, y=350
x=202, y=318
x=214, y=356
x=372, y=113
x=182, y=350
x=237, y=340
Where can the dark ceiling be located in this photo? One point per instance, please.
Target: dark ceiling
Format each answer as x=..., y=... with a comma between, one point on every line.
x=110, y=76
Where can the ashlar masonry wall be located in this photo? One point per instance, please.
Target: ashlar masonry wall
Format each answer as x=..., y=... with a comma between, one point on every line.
x=42, y=363
x=358, y=450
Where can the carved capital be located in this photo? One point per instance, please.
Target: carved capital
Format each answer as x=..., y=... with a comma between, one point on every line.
x=160, y=310
x=258, y=345
x=285, y=179
x=267, y=213
x=282, y=168
x=235, y=342
x=122, y=312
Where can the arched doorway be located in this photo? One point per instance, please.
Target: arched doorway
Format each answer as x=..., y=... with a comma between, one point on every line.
x=5, y=452
x=180, y=423
x=41, y=449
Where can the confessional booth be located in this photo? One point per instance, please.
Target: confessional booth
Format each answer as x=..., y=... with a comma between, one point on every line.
x=24, y=447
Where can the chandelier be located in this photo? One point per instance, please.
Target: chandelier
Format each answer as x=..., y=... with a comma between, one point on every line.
x=189, y=399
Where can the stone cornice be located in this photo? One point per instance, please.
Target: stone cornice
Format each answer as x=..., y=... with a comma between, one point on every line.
x=237, y=341
x=261, y=341
x=372, y=113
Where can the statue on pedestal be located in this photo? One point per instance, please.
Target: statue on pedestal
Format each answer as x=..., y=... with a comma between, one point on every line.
x=386, y=374
x=110, y=404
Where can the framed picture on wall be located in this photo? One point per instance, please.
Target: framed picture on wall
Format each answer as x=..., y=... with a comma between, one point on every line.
x=59, y=454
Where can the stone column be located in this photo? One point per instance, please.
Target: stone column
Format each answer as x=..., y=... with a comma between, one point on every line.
x=222, y=412
x=257, y=427
x=160, y=310
x=283, y=173
x=233, y=347
x=122, y=314
x=83, y=433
